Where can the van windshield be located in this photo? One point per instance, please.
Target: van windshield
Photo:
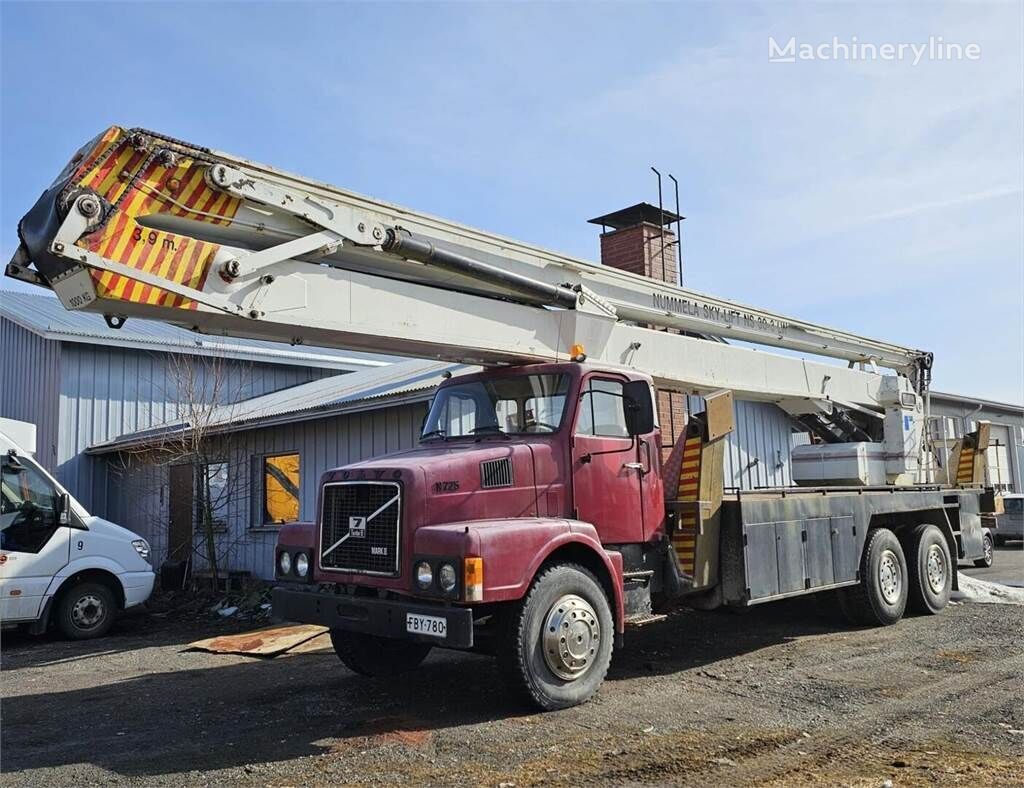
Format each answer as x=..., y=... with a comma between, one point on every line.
x=1013, y=505
x=505, y=405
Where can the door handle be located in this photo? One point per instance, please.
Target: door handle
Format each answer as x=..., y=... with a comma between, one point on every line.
x=636, y=466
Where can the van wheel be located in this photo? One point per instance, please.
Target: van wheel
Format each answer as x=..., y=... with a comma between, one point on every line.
x=930, y=569
x=370, y=655
x=557, y=644
x=986, y=553
x=86, y=611
x=881, y=596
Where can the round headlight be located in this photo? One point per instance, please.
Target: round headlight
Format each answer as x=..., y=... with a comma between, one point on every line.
x=424, y=574
x=285, y=563
x=301, y=564
x=446, y=577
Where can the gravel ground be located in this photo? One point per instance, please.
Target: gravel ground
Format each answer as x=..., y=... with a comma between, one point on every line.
x=779, y=695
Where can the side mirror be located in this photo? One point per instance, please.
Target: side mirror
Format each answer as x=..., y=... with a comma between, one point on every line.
x=63, y=504
x=638, y=407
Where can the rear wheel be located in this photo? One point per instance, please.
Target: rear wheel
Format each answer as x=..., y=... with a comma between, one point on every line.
x=557, y=644
x=86, y=611
x=986, y=552
x=881, y=596
x=369, y=655
x=930, y=569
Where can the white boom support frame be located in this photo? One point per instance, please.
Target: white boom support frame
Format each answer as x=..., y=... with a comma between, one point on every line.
x=304, y=262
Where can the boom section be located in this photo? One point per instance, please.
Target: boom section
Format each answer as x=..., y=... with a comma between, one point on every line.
x=140, y=224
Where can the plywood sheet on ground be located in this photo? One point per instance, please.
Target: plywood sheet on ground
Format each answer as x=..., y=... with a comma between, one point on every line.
x=266, y=642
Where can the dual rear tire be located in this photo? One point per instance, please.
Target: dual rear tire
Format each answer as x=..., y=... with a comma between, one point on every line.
x=915, y=573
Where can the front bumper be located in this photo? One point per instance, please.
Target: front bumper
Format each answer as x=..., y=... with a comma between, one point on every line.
x=381, y=617
x=137, y=587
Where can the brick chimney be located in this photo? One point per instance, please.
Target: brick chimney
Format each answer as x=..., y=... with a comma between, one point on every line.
x=634, y=239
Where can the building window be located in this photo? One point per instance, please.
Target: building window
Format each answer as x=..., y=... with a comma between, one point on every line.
x=280, y=488
x=212, y=494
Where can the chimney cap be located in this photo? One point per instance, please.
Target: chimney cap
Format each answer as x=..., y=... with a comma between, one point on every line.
x=634, y=215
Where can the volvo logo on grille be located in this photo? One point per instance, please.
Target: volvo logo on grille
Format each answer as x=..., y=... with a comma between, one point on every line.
x=357, y=527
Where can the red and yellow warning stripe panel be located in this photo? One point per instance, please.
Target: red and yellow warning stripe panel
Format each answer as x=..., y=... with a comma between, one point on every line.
x=140, y=184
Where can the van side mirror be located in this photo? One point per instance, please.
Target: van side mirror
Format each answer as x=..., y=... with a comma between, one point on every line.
x=638, y=407
x=63, y=503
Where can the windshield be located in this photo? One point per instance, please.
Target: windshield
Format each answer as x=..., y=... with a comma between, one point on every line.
x=28, y=506
x=1013, y=505
x=508, y=405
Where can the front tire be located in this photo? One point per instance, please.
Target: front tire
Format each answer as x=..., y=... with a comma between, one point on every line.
x=881, y=596
x=558, y=640
x=370, y=655
x=86, y=611
x=931, y=569
x=986, y=553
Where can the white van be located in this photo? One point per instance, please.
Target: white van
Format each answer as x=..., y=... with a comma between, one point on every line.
x=57, y=562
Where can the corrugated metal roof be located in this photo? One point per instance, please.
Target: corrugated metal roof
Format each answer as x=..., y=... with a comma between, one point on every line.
x=317, y=399
x=945, y=396
x=45, y=315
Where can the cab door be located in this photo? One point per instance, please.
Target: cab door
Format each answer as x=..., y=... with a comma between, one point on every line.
x=607, y=465
x=34, y=546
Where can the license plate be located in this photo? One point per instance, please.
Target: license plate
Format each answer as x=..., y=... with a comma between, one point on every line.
x=434, y=626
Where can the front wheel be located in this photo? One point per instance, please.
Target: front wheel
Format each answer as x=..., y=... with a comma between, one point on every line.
x=557, y=644
x=370, y=655
x=86, y=611
x=881, y=596
x=986, y=553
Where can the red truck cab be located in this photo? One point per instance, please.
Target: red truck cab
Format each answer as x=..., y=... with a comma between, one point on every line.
x=503, y=531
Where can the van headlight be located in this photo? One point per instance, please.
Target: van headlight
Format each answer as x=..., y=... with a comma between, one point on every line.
x=284, y=562
x=142, y=548
x=301, y=564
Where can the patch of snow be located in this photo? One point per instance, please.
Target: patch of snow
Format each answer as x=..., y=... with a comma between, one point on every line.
x=974, y=590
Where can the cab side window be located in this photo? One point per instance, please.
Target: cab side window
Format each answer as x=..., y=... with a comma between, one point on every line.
x=28, y=507
x=601, y=410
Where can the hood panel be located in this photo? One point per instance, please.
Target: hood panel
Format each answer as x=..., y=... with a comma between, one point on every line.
x=444, y=483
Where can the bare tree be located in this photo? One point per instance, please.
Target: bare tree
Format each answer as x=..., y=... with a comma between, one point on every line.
x=205, y=392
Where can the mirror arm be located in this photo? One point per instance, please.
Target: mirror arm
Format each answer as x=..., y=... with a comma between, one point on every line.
x=585, y=458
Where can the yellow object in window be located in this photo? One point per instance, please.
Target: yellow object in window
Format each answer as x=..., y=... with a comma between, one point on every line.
x=281, y=488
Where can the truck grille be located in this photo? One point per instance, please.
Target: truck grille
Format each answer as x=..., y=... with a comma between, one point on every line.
x=360, y=527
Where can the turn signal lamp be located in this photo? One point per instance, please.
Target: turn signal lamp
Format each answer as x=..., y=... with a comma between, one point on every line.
x=577, y=353
x=473, y=579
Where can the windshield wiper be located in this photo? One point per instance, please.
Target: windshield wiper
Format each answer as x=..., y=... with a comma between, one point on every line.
x=490, y=428
x=434, y=434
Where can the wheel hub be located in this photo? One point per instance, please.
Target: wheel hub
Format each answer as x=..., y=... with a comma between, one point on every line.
x=87, y=611
x=571, y=637
x=935, y=566
x=890, y=577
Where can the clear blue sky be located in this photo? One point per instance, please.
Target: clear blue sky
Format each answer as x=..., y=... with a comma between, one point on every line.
x=880, y=197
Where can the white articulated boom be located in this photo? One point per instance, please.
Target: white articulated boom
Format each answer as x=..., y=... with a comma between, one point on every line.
x=141, y=225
